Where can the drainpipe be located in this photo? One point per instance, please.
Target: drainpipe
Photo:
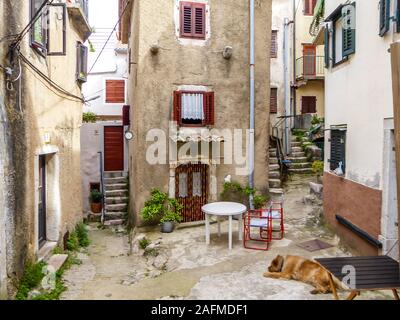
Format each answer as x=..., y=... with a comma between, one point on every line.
x=286, y=62
x=252, y=94
x=294, y=59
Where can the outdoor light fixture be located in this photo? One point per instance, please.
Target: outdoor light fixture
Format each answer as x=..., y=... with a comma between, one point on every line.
x=128, y=135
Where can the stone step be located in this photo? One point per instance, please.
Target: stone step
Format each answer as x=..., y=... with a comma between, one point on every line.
x=115, y=174
x=115, y=186
x=301, y=171
x=276, y=192
x=56, y=261
x=298, y=159
x=297, y=154
x=116, y=200
x=274, y=183
x=115, y=180
x=116, y=193
x=274, y=175
x=297, y=149
x=272, y=150
x=273, y=167
x=117, y=215
x=273, y=160
x=46, y=251
x=295, y=144
x=115, y=222
x=300, y=165
x=116, y=207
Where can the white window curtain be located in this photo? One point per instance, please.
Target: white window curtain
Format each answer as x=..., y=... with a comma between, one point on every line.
x=192, y=106
x=183, y=185
x=196, y=184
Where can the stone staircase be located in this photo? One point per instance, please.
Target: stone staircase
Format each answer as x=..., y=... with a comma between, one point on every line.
x=274, y=177
x=299, y=163
x=116, y=198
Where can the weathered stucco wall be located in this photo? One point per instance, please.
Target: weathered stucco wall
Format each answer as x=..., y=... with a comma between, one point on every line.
x=313, y=88
x=43, y=112
x=154, y=78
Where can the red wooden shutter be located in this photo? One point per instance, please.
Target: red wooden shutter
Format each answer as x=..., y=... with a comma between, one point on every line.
x=115, y=91
x=186, y=29
x=177, y=106
x=209, y=108
x=308, y=104
x=199, y=21
x=126, y=115
x=274, y=101
x=306, y=7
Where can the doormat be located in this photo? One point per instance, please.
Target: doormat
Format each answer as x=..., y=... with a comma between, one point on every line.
x=314, y=245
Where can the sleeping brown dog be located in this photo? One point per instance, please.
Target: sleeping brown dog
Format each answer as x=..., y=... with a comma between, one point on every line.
x=307, y=271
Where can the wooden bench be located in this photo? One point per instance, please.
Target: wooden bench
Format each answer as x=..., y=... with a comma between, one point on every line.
x=371, y=273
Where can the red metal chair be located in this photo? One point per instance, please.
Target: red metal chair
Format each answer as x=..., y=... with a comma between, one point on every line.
x=260, y=220
x=276, y=215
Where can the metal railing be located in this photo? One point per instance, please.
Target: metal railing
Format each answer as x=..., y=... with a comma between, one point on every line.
x=308, y=67
x=102, y=190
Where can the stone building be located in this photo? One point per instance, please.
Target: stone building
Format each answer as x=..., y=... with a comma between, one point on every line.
x=43, y=64
x=190, y=66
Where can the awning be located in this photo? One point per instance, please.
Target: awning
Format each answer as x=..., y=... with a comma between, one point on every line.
x=195, y=135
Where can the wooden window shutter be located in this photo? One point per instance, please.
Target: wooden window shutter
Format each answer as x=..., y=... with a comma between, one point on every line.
x=384, y=17
x=115, y=91
x=273, y=101
x=209, y=108
x=177, y=107
x=193, y=20
x=326, y=47
x=338, y=149
x=126, y=115
x=274, y=44
x=306, y=7
x=349, y=37
x=308, y=104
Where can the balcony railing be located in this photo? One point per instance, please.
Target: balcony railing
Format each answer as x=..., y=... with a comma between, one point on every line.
x=310, y=67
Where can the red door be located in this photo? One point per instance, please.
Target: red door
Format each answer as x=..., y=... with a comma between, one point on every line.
x=113, y=148
x=309, y=56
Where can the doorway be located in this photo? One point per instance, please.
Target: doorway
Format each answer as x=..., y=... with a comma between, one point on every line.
x=113, y=148
x=42, y=208
x=191, y=190
x=309, y=62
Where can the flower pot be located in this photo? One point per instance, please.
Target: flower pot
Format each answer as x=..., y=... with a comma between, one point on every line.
x=167, y=227
x=95, y=207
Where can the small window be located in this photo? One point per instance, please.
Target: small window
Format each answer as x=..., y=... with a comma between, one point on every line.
x=38, y=33
x=384, y=17
x=309, y=6
x=193, y=20
x=338, y=149
x=274, y=44
x=273, y=108
x=193, y=108
x=81, y=62
x=115, y=91
x=308, y=104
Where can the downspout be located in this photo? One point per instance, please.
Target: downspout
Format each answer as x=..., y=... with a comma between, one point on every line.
x=294, y=60
x=286, y=64
x=252, y=95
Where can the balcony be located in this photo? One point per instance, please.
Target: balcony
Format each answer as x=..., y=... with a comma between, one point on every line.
x=310, y=68
x=79, y=12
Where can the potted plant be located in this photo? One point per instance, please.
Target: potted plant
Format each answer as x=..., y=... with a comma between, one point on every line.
x=318, y=169
x=96, y=198
x=167, y=210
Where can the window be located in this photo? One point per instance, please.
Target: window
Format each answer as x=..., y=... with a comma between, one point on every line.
x=308, y=104
x=81, y=62
x=309, y=6
x=338, y=149
x=38, y=31
x=384, y=17
x=115, y=91
x=274, y=44
x=194, y=108
x=192, y=20
x=273, y=105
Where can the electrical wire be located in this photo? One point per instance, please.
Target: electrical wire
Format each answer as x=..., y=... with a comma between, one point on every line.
x=109, y=37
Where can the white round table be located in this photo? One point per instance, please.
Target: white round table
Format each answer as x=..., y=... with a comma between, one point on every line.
x=228, y=209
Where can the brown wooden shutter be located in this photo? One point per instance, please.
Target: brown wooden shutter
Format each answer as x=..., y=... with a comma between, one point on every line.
x=177, y=107
x=199, y=21
x=186, y=29
x=209, y=108
x=306, y=7
x=115, y=91
x=193, y=22
x=274, y=44
x=274, y=101
x=308, y=104
x=126, y=115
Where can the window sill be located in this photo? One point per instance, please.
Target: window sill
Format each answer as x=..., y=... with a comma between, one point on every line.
x=336, y=64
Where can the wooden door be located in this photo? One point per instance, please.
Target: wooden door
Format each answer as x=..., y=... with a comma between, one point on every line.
x=309, y=60
x=191, y=190
x=42, y=201
x=308, y=104
x=113, y=148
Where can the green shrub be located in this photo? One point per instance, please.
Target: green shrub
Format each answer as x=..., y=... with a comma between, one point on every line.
x=89, y=117
x=318, y=167
x=82, y=234
x=95, y=196
x=159, y=206
x=234, y=191
x=73, y=241
x=31, y=278
x=143, y=243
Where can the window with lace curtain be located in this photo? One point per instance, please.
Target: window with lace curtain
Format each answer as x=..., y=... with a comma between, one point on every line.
x=194, y=108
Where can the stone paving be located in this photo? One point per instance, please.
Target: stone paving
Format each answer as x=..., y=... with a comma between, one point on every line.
x=179, y=265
